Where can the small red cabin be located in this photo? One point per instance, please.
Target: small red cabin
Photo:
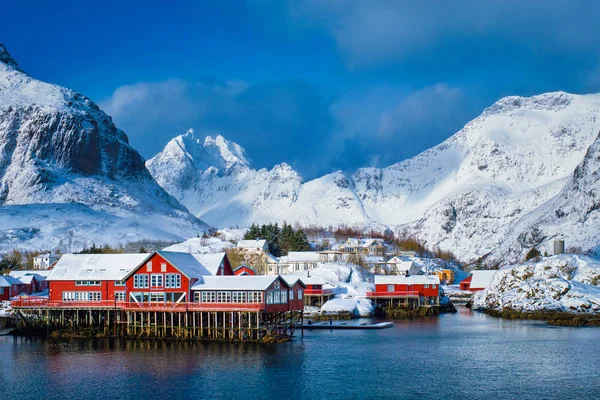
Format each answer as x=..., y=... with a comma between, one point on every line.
x=480, y=279
x=10, y=287
x=465, y=284
x=424, y=288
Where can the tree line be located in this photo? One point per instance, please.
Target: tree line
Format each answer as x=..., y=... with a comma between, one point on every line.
x=280, y=240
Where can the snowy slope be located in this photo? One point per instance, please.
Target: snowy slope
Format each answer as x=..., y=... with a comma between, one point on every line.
x=473, y=188
x=566, y=283
x=58, y=148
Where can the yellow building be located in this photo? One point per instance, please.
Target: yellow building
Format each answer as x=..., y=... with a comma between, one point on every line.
x=445, y=275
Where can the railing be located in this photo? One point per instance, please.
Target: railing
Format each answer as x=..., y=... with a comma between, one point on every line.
x=133, y=306
x=317, y=291
x=402, y=293
x=30, y=301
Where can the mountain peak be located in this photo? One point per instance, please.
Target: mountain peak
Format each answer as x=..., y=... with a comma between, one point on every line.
x=6, y=58
x=228, y=152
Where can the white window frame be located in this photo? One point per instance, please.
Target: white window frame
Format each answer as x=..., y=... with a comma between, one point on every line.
x=120, y=296
x=141, y=281
x=156, y=281
x=149, y=266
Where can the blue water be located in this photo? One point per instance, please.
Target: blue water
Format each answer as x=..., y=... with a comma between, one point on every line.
x=465, y=355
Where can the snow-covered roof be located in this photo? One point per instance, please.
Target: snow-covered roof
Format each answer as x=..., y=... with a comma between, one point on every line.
x=47, y=255
x=211, y=261
x=372, y=258
x=271, y=258
x=20, y=274
x=370, y=242
x=8, y=281
x=249, y=282
x=401, y=265
x=352, y=242
x=27, y=279
x=252, y=244
x=303, y=256
x=399, y=259
x=187, y=263
x=307, y=280
x=98, y=267
x=407, y=280
x=482, y=278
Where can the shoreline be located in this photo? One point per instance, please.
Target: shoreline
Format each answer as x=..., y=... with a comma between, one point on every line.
x=554, y=318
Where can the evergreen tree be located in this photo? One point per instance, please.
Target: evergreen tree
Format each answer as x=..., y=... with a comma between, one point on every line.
x=253, y=233
x=300, y=241
x=286, y=239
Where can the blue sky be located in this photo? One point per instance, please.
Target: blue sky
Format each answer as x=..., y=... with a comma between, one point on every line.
x=322, y=85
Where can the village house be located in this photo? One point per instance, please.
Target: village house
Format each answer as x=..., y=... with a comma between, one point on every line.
x=256, y=255
x=33, y=281
x=478, y=280
x=406, y=291
x=314, y=293
x=397, y=266
x=446, y=275
x=364, y=246
x=297, y=261
x=10, y=287
x=163, y=276
x=45, y=261
x=253, y=246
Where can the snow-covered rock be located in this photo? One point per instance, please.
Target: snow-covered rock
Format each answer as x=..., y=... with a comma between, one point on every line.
x=58, y=148
x=565, y=283
x=473, y=188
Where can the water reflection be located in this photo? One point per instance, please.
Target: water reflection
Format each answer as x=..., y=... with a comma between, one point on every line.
x=465, y=355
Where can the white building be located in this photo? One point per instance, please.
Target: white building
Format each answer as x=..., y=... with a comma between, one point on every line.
x=297, y=261
x=44, y=261
x=253, y=246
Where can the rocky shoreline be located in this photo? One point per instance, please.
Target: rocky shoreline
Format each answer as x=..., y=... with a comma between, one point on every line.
x=555, y=318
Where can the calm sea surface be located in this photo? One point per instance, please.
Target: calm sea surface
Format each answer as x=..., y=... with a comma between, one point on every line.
x=465, y=355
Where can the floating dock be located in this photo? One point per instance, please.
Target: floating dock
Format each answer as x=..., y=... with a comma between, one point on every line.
x=327, y=325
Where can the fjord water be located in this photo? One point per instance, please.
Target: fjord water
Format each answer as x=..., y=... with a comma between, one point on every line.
x=466, y=355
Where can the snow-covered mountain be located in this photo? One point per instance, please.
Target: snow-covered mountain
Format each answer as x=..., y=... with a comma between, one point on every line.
x=466, y=194
x=214, y=180
x=67, y=171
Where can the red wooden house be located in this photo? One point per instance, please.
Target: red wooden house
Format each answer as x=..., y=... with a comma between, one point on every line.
x=10, y=287
x=163, y=277
x=91, y=277
x=425, y=288
x=34, y=282
x=479, y=280
x=314, y=293
x=270, y=294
